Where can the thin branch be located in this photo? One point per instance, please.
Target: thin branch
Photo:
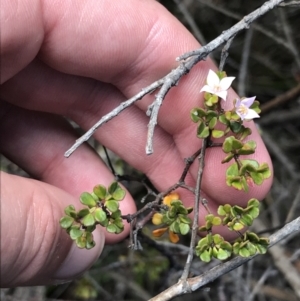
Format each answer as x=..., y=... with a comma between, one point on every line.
x=115, y=112
x=292, y=3
x=190, y=20
x=244, y=63
x=195, y=225
x=224, y=53
x=173, y=78
x=223, y=268
x=227, y=34
x=257, y=27
x=288, y=34
x=282, y=262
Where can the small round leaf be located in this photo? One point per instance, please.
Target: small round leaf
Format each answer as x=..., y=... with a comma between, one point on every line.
x=87, y=199
x=66, y=222
x=88, y=220
x=100, y=215
x=100, y=191
x=184, y=228
x=112, y=205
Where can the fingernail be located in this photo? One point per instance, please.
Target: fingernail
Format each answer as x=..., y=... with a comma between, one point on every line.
x=79, y=260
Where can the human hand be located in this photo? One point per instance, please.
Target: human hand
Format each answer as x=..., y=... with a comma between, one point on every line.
x=81, y=59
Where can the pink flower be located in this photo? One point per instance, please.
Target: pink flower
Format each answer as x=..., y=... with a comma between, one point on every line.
x=242, y=108
x=217, y=86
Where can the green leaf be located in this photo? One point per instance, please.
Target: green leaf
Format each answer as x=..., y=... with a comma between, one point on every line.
x=223, y=254
x=202, y=229
x=212, y=123
x=235, y=126
x=228, y=158
x=262, y=249
x=87, y=199
x=245, y=133
x=255, y=106
x=237, y=210
x=88, y=220
x=258, y=178
x=210, y=115
x=184, y=229
x=224, y=209
x=223, y=119
x=212, y=100
x=216, y=221
x=90, y=245
x=119, y=193
x=202, y=242
x=100, y=215
x=206, y=255
x=75, y=233
x=247, y=220
x=116, y=214
x=254, y=212
x=100, y=191
x=174, y=227
x=251, y=236
x=66, y=222
x=244, y=252
x=112, y=206
x=218, y=239
x=111, y=228
x=248, y=148
x=119, y=223
x=253, y=202
x=209, y=217
x=217, y=133
x=236, y=144
x=113, y=187
x=197, y=114
x=265, y=170
x=81, y=242
x=70, y=211
x=207, y=95
x=185, y=220
x=238, y=226
x=202, y=131
x=251, y=248
x=83, y=212
x=227, y=145
x=236, y=248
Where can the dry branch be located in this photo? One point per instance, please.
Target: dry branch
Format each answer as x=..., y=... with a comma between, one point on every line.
x=189, y=60
x=192, y=284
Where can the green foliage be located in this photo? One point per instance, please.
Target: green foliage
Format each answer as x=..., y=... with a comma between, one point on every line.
x=173, y=217
x=250, y=244
x=103, y=209
x=235, y=218
x=246, y=173
x=213, y=246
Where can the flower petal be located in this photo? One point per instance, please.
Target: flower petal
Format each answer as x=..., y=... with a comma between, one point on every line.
x=221, y=94
x=226, y=82
x=238, y=103
x=212, y=79
x=208, y=89
x=251, y=114
x=248, y=101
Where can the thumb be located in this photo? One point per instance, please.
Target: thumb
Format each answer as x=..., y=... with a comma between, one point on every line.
x=34, y=248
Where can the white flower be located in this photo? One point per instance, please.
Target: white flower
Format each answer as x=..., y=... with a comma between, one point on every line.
x=217, y=86
x=242, y=108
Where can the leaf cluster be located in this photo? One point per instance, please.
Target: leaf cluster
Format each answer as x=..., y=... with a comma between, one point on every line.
x=235, y=218
x=174, y=218
x=245, y=173
x=102, y=209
